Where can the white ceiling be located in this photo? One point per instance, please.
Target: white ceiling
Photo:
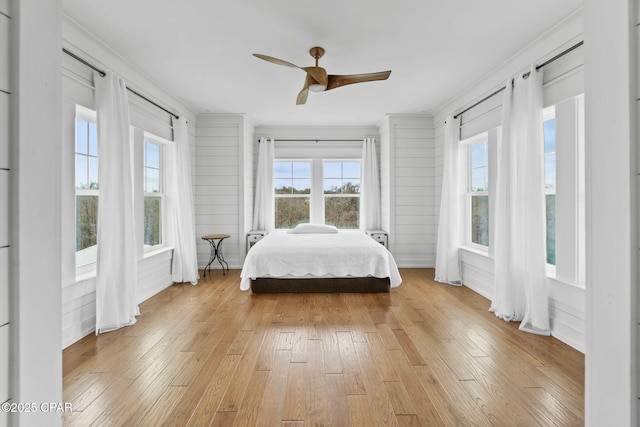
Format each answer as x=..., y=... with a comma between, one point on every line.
x=201, y=50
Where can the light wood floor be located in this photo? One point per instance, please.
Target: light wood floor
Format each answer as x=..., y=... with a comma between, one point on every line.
x=425, y=354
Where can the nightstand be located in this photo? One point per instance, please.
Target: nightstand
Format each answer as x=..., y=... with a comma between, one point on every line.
x=379, y=236
x=254, y=237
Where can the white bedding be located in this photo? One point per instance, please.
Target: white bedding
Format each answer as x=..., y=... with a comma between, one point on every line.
x=343, y=254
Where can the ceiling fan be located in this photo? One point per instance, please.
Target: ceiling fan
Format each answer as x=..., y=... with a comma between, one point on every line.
x=318, y=80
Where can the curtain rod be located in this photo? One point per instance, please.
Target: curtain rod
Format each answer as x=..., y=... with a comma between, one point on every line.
x=525, y=75
x=315, y=140
x=103, y=73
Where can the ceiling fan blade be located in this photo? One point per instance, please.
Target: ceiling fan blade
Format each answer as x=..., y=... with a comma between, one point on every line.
x=302, y=96
x=275, y=60
x=337, y=80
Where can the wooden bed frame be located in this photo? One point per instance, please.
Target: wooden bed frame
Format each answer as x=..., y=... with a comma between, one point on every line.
x=330, y=285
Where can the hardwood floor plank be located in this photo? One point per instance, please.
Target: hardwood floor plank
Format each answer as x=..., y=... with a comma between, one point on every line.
x=423, y=354
x=352, y=375
x=295, y=394
x=271, y=406
x=317, y=408
x=360, y=411
x=250, y=409
x=237, y=387
x=213, y=393
x=338, y=414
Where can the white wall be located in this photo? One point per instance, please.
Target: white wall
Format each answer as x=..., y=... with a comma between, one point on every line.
x=612, y=212
x=6, y=29
x=220, y=189
x=563, y=80
x=154, y=268
x=408, y=189
x=35, y=274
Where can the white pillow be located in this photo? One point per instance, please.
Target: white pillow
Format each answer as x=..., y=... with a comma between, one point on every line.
x=313, y=228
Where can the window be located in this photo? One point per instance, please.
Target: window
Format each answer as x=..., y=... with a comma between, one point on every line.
x=153, y=193
x=87, y=185
x=478, y=190
x=341, y=189
x=292, y=190
x=550, y=181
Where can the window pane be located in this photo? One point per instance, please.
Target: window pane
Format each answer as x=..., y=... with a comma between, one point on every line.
x=351, y=186
x=480, y=220
x=550, y=170
x=81, y=136
x=478, y=154
x=152, y=155
x=283, y=186
x=86, y=224
x=152, y=181
x=332, y=186
x=343, y=212
x=550, y=136
x=282, y=170
x=93, y=173
x=93, y=139
x=291, y=211
x=351, y=170
x=332, y=170
x=478, y=180
x=551, y=228
x=81, y=172
x=301, y=170
x=152, y=220
x=302, y=186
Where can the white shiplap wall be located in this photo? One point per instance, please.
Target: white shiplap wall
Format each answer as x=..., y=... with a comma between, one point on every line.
x=5, y=172
x=635, y=42
x=407, y=188
x=220, y=191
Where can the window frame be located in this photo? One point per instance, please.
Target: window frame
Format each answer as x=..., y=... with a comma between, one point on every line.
x=354, y=195
x=148, y=137
x=89, y=116
x=467, y=144
x=549, y=113
x=309, y=196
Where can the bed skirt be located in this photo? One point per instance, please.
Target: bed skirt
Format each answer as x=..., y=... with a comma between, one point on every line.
x=330, y=285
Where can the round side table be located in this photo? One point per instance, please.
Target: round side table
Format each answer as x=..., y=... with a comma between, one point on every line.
x=215, y=241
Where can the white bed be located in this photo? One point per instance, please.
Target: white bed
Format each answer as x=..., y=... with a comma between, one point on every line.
x=344, y=254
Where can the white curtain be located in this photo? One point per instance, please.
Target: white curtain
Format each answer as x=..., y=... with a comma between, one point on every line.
x=450, y=224
x=117, y=264
x=520, y=292
x=263, y=206
x=179, y=198
x=370, y=194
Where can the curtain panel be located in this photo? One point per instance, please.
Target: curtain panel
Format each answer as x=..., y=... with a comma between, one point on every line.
x=180, y=209
x=370, y=194
x=450, y=223
x=117, y=262
x=520, y=292
x=263, y=206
